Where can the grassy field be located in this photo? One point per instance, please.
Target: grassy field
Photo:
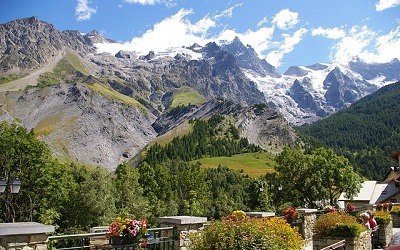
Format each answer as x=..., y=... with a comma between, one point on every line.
x=253, y=164
x=113, y=94
x=186, y=95
x=65, y=71
x=10, y=78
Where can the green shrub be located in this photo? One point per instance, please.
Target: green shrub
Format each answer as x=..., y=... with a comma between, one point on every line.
x=346, y=230
x=256, y=233
x=395, y=210
x=382, y=217
x=338, y=224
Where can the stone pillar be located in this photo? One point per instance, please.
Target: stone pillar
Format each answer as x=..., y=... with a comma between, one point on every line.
x=309, y=216
x=384, y=234
x=183, y=226
x=24, y=235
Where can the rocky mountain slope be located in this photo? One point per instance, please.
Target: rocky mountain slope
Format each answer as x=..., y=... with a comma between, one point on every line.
x=102, y=109
x=305, y=94
x=79, y=124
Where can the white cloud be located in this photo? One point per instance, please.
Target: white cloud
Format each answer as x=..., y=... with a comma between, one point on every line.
x=143, y=2
x=367, y=45
x=285, y=19
x=83, y=11
x=174, y=31
x=387, y=46
x=178, y=31
x=386, y=4
x=262, y=22
x=228, y=12
x=334, y=33
x=287, y=45
x=168, y=3
x=353, y=44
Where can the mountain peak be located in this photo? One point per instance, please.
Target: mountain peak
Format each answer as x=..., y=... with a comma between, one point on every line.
x=248, y=59
x=94, y=37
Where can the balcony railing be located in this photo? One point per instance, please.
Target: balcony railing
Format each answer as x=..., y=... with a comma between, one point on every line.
x=159, y=238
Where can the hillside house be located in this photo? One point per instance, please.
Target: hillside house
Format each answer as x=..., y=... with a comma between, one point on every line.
x=373, y=192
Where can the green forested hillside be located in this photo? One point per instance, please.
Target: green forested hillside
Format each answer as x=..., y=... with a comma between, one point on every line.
x=366, y=133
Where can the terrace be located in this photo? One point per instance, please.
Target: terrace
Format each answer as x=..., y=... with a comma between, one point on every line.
x=173, y=234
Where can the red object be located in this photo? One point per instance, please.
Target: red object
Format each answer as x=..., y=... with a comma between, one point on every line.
x=144, y=244
x=394, y=247
x=372, y=223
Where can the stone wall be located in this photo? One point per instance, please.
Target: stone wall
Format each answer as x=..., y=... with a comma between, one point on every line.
x=24, y=235
x=309, y=216
x=24, y=242
x=184, y=225
x=384, y=234
x=360, y=243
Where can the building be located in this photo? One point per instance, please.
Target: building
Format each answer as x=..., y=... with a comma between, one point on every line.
x=374, y=192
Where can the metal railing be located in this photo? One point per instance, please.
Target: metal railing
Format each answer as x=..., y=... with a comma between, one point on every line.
x=162, y=238
x=336, y=245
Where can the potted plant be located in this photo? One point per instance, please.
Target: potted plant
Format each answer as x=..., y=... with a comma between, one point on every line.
x=350, y=209
x=127, y=231
x=290, y=214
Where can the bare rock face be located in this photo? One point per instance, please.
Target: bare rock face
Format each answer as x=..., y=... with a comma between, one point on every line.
x=266, y=128
x=261, y=125
x=26, y=43
x=29, y=42
x=80, y=124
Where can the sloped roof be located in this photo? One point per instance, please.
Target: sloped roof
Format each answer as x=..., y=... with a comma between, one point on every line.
x=365, y=194
x=373, y=192
x=383, y=191
x=391, y=169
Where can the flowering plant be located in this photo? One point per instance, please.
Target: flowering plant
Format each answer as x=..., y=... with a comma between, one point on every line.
x=290, y=213
x=329, y=208
x=237, y=215
x=133, y=229
x=384, y=206
x=350, y=208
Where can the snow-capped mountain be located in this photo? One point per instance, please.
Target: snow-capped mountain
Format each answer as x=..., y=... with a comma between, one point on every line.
x=305, y=94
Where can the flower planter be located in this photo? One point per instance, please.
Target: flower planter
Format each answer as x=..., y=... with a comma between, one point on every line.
x=122, y=240
x=359, y=243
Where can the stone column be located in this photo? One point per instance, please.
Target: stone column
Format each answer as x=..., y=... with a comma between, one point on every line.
x=183, y=226
x=309, y=216
x=24, y=235
x=384, y=234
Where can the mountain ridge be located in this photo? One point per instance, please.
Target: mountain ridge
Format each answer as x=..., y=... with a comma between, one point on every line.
x=101, y=109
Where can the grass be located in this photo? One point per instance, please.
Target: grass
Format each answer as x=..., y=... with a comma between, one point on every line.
x=185, y=96
x=10, y=78
x=47, y=125
x=253, y=164
x=113, y=94
x=68, y=69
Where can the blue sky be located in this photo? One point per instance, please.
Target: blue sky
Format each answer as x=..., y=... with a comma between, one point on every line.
x=284, y=32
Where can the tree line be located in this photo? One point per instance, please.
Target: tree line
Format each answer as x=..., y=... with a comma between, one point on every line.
x=75, y=197
x=366, y=133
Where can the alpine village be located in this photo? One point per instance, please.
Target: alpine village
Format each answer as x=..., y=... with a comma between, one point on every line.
x=185, y=150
